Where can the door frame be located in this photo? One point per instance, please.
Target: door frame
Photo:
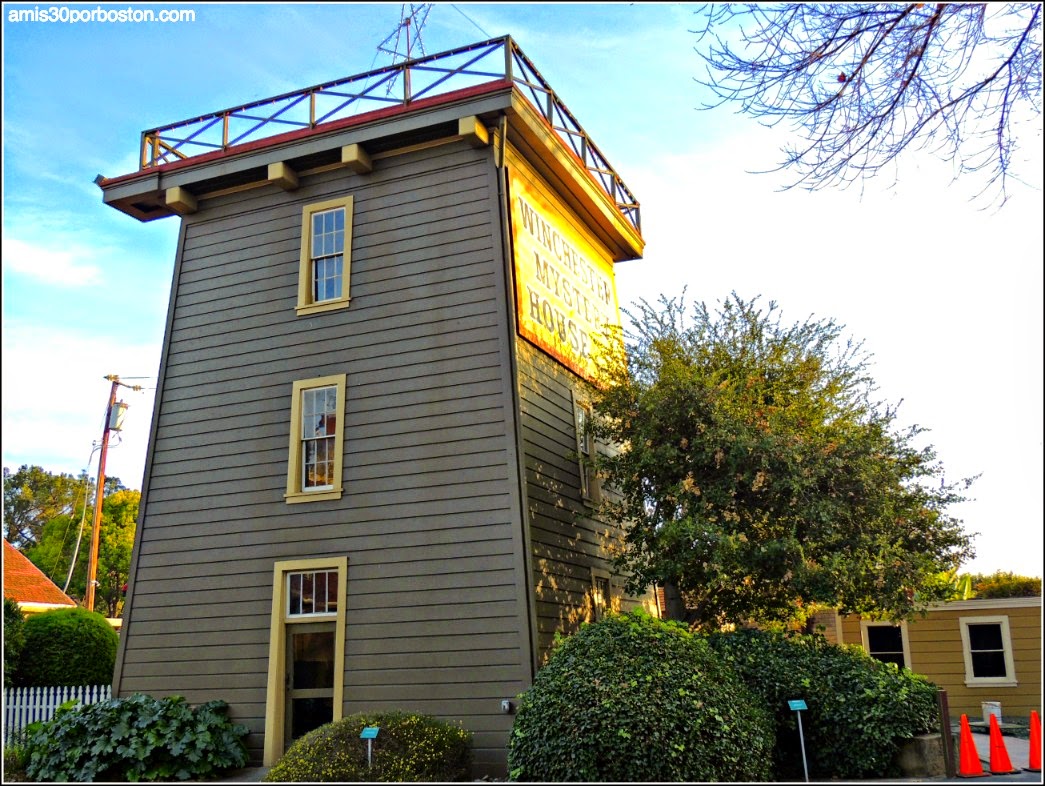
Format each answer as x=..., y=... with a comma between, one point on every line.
x=275, y=693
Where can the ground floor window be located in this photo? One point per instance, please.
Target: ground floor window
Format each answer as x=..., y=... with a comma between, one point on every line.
x=601, y=594
x=987, y=649
x=886, y=642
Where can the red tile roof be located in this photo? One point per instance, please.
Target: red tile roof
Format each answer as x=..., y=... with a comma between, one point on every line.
x=26, y=583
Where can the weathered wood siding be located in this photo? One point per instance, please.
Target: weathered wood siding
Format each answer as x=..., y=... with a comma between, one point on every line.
x=936, y=652
x=428, y=518
x=567, y=543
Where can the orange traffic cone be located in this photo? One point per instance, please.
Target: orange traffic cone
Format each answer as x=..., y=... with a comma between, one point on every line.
x=968, y=759
x=1035, y=743
x=1000, y=763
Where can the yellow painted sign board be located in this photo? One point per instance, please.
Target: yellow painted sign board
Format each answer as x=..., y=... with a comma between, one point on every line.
x=564, y=284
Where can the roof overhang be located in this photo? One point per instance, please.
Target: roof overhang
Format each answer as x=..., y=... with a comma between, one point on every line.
x=180, y=186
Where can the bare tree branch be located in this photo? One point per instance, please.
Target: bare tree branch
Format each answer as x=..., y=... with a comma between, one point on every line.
x=863, y=82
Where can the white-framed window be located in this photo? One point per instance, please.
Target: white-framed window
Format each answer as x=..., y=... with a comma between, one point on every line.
x=326, y=256
x=316, y=439
x=585, y=450
x=987, y=649
x=312, y=593
x=886, y=642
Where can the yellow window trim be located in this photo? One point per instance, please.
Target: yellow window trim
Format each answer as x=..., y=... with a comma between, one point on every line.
x=305, y=304
x=275, y=695
x=294, y=491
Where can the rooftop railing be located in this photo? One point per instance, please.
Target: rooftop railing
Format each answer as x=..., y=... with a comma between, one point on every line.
x=497, y=59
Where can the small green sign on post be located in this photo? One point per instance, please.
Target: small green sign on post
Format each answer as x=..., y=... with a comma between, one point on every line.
x=369, y=733
x=797, y=705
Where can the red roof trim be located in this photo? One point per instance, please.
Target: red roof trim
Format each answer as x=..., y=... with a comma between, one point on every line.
x=325, y=128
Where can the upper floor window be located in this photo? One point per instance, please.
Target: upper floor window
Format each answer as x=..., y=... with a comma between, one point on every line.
x=585, y=450
x=326, y=256
x=316, y=439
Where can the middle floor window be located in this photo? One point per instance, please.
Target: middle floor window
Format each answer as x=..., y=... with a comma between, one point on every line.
x=316, y=439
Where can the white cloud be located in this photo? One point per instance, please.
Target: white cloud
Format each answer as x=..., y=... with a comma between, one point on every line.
x=55, y=396
x=57, y=267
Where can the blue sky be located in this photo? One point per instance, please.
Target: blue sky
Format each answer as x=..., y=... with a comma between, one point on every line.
x=946, y=295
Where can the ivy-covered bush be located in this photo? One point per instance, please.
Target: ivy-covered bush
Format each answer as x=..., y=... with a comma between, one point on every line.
x=67, y=647
x=14, y=636
x=137, y=738
x=633, y=698
x=859, y=709
x=409, y=747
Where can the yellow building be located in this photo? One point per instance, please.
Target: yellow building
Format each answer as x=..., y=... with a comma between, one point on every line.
x=979, y=650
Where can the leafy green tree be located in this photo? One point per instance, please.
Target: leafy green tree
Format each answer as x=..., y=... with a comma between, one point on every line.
x=757, y=474
x=58, y=510
x=950, y=585
x=58, y=546
x=33, y=497
x=862, y=82
x=119, y=519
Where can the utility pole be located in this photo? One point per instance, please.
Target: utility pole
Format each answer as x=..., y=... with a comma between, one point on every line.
x=113, y=422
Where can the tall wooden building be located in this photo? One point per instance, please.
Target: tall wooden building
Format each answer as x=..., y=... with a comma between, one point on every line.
x=362, y=488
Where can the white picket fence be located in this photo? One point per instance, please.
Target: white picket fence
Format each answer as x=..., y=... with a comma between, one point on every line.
x=23, y=706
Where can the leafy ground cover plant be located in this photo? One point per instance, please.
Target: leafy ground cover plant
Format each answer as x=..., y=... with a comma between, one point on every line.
x=137, y=738
x=859, y=709
x=409, y=747
x=633, y=698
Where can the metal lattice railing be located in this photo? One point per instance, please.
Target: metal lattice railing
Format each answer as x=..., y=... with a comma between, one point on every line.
x=434, y=75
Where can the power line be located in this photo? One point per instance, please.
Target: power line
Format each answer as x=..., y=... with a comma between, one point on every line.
x=462, y=13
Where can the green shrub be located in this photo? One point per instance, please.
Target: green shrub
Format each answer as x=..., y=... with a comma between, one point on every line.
x=1004, y=584
x=137, y=738
x=859, y=709
x=67, y=647
x=409, y=747
x=633, y=698
x=14, y=636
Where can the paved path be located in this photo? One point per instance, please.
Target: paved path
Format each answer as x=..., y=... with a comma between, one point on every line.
x=246, y=775
x=1018, y=749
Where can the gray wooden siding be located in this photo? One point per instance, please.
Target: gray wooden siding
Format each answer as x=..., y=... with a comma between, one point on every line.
x=427, y=517
x=566, y=541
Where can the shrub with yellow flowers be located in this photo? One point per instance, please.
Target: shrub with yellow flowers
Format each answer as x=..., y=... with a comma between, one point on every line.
x=409, y=747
